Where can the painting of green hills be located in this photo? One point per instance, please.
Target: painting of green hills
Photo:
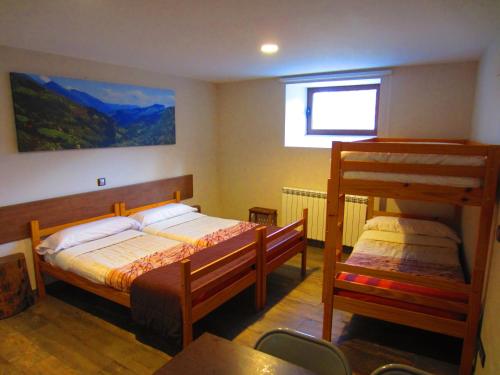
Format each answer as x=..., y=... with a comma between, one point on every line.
x=58, y=113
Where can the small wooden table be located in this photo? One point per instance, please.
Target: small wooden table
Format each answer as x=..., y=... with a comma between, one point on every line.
x=261, y=215
x=214, y=355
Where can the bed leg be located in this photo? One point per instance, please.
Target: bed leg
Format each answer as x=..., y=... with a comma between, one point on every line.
x=328, y=318
x=41, y=288
x=186, y=303
x=187, y=334
x=305, y=216
x=303, y=269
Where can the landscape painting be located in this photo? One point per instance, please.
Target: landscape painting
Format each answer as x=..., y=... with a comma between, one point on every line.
x=57, y=113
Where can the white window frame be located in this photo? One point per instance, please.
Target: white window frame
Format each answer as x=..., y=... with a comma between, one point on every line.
x=296, y=88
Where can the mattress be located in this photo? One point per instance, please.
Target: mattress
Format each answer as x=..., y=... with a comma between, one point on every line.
x=190, y=227
x=96, y=259
x=424, y=159
x=414, y=254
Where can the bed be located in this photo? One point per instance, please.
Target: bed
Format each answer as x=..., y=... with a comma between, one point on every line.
x=174, y=220
x=454, y=172
x=413, y=254
x=152, y=275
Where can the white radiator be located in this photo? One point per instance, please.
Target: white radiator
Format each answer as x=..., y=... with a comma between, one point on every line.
x=294, y=200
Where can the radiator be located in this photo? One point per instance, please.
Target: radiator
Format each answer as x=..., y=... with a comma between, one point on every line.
x=294, y=200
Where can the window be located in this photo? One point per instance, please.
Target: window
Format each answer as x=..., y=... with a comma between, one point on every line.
x=341, y=106
x=342, y=110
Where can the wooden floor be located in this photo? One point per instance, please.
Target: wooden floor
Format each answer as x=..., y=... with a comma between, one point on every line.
x=73, y=332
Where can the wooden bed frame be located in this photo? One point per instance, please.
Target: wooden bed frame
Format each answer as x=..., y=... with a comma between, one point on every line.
x=482, y=197
x=269, y=264
x=190, y=313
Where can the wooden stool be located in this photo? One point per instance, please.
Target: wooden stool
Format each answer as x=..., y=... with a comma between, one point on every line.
x=15, y=288
x=267, y=216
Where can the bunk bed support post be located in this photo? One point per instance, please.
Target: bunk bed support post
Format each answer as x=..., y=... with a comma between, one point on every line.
x=370, y=207
x=186, y=303
x=303, y=263
x=480, y=260
x=331, y=241
x=35, y=235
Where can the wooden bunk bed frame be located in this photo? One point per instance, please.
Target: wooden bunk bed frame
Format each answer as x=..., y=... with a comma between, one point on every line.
x=269, y=264
x=482, y=197
x=190, y=313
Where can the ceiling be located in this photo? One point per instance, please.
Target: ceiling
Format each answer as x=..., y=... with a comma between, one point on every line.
x=219, y=40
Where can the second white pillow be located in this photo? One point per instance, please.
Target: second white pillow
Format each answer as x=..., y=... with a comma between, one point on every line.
x=168, y=211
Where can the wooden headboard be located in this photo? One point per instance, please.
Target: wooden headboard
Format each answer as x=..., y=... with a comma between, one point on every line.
x=15, y=219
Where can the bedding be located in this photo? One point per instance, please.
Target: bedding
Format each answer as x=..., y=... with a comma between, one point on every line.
x=409, y=253
x=80, y=234
x=117, y=260
x=155, y=295
x=148, y=267
x=432, y=159
x=198, y=229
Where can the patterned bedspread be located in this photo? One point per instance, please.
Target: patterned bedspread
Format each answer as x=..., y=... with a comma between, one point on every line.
x=414, y=254
x=410, y=254
x=121, y=278
x=224, y=234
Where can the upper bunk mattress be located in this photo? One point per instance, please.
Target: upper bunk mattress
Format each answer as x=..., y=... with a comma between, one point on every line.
x=414, y=254
x=116, y=260
x=424, y=159
x=198, y=229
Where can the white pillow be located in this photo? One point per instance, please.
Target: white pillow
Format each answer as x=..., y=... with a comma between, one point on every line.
x=411, y=226
x=83, y=233
x=168, y=211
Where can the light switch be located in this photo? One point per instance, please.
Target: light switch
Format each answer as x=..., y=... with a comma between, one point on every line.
x=101, y=181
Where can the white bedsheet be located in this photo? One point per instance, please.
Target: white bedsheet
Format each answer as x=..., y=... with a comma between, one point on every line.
x=433, y=159
x=189, y=227
x=93, y=260
x=408, y=247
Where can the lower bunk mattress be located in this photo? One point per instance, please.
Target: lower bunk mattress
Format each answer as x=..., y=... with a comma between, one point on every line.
x=414, y=254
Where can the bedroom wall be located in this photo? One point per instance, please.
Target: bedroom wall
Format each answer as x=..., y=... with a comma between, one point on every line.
x=38, y=175
x=416, y=101
x=486, y=128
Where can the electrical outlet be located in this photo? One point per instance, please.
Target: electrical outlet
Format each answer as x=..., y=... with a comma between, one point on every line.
x=101, y=181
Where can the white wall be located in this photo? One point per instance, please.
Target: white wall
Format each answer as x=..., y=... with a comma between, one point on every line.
x=486, y=128
x=416, y=101
x=38, y=175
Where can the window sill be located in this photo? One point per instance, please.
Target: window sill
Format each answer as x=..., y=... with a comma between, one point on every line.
x=322, y=141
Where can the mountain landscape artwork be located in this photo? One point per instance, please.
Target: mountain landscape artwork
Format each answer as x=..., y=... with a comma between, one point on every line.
x=57, y=113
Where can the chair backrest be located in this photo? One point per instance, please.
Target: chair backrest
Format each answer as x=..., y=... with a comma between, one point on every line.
x=398, y=369
x=318, y=356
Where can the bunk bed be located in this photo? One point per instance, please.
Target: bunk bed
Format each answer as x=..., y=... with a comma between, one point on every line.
x=168, y=284
x=455, y=172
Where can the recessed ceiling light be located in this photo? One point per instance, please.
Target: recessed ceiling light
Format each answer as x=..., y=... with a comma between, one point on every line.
x=269, y=48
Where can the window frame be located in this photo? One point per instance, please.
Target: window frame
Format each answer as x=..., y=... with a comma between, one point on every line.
x=312, y=90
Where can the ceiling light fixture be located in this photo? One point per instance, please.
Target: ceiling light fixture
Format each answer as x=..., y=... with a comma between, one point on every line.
x=269, y=48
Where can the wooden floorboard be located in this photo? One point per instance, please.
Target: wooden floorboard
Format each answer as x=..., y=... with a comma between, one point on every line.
x=74, y=332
